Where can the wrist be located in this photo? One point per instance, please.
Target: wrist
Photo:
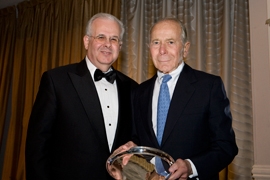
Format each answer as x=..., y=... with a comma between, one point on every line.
x=190, y=172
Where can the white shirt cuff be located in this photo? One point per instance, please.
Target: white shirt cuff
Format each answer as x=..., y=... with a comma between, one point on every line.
x=194, y=170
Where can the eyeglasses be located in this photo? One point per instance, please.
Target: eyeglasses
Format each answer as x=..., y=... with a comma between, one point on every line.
x=102, y=39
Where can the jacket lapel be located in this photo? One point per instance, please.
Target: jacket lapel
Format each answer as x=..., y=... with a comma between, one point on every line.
x=182, y=93
x=86, y=90
x=146, y=110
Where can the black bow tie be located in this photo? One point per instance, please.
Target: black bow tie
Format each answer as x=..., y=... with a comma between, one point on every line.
x=110, y=76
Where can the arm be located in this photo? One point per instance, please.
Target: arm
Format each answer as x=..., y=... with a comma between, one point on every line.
x=223, y=147
x=39, y=135
x=218, y=148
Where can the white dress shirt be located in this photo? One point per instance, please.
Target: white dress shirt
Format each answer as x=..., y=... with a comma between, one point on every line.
x=108, y=97
x=171, y=85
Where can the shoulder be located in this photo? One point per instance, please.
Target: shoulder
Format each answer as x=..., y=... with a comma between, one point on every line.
x=79, y=68
x=148, y=82
x=125, y=79
x=63, y=69
x=60, y=74
x=146, y=86
x=198, y=75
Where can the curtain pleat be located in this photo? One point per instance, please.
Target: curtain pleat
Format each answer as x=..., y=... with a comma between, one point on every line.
x=241, y=95
x=49, y=34
x=7, y=36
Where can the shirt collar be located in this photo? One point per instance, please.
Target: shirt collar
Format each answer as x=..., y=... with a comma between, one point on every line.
x=91, y=67
x=175, y=73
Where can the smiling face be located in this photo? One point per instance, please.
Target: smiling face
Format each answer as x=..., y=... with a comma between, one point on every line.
x=166, y=46
x=103, y=54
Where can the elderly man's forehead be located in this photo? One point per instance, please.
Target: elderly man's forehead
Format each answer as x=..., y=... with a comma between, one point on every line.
x=163, y=24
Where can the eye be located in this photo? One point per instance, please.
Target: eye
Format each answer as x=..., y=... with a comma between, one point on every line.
x=101, y=37
x=171, y=42
x=114, y=39
x=155, y=43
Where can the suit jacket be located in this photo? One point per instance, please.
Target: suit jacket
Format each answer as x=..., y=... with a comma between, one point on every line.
x=66, y=137
x=198, y=125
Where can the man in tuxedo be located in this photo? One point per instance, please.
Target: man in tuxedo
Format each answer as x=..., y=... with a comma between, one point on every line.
x=82, y=111
x=197, y=131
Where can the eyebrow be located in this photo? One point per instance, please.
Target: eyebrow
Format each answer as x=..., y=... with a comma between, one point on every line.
x=105, y=35
x=169, y=39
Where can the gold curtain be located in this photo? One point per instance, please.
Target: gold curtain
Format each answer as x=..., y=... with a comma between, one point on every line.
x=7, y=36
x=49, y=34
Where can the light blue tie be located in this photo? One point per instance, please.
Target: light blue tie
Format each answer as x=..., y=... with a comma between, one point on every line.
x=162, y=111
x=163, y=106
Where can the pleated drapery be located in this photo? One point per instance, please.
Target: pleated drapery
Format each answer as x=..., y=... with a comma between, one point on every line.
x=7, y=36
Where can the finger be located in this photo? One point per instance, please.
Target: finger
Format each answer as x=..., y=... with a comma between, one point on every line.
x=130, y=144
x=179, y=170
x=126, y=159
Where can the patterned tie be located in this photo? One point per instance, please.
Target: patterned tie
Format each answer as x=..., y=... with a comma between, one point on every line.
x=162, y=111
x=163, y=106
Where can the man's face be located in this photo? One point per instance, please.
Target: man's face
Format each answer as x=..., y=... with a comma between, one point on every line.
x=166, y=47
x=102, y=46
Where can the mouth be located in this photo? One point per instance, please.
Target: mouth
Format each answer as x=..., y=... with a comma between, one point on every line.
x=163, y=59
x=106, y=52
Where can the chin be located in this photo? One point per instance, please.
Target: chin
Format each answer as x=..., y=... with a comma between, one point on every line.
x=165, y=70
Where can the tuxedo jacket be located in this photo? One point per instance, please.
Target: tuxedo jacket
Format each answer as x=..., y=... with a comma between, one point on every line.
x=198, y=125
x=66, y=138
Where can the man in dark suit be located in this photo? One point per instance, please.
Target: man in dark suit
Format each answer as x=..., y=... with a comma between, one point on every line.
x=198, y=130
x=79, y=117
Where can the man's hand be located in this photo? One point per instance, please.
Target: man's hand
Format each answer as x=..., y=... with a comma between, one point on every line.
x=123, y=148
x=115, y=170
x=181, y=169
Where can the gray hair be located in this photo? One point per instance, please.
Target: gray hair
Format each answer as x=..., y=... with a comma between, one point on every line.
x=184, y=37
x=104, y=16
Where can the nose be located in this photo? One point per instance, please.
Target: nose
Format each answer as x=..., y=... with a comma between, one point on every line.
x=162, y=49
x=108, y=42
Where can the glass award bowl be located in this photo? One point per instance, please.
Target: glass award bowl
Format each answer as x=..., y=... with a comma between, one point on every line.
x=140, y=163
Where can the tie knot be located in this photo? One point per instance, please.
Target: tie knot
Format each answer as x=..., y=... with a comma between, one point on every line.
x=166, y=78
x=110, y=76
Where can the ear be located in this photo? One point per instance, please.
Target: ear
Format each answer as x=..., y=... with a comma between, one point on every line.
x=86, y=41
x=186, y=49
x=120, y=46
